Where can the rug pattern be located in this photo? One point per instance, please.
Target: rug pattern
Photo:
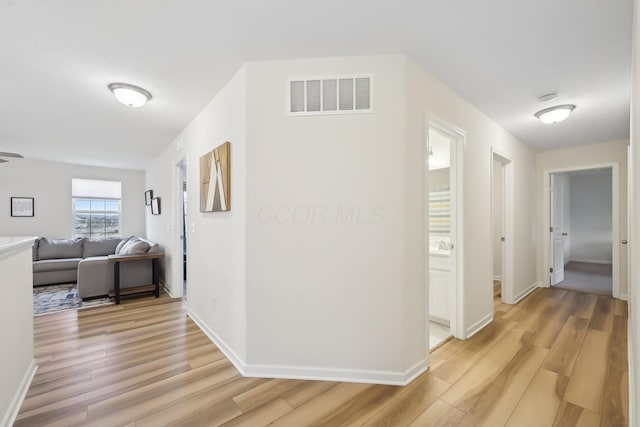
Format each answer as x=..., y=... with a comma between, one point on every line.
x=53, y=298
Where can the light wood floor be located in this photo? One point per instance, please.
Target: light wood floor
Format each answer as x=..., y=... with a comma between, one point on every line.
x=557, y=358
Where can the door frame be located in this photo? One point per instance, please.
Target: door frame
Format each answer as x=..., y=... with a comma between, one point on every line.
x=507, y=294
x=176, y=211
x=456, y=298
x=615, y=221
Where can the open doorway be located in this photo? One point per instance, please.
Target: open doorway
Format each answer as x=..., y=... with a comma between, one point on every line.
x=443, y=153
x=581, y=230
x=581, y=217
x=501, y=227
x=182, y=211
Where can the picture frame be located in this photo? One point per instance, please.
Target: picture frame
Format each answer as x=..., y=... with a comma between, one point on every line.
x=155, y=206
x=22, y=207
x=148, y=196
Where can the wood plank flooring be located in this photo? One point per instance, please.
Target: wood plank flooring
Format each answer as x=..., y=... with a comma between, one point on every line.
x=558, y=358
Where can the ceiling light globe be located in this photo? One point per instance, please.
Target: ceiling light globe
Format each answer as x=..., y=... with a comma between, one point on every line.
x=130, y=95
x=555, y=114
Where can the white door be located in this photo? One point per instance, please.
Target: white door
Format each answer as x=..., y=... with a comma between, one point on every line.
x=557, y=230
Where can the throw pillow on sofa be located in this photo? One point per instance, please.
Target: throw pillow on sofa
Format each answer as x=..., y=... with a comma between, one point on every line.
x=60, y=248
x=122, y=243
x=134, y=246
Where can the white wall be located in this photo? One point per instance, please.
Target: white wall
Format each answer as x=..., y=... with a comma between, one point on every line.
x=590, y=213
x=216, y=267
x=16, y=331
x=328, y=252
x=634, y=223
x=428, y=95
x=497, y=213
x=585, y=155
x=327, y=271
x=50, y=184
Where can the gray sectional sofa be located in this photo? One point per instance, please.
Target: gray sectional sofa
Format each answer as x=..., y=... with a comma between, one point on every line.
x=86, y=262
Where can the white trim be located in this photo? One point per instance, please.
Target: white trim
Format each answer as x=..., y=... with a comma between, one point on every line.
x=508, y=250
x=310, y=373
x=479, y=325
x=219, y=342
x=176, y=225
x=167, y=289
x=456, y=186
x=615, y=219
x=14, y=407
x=342, y=375
x=498, y=278
x=440, y=320
x=624, y=297
x=523, y=294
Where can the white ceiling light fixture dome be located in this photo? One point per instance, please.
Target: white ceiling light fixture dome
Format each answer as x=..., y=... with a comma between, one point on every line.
x=555, y=114
x=130, y=95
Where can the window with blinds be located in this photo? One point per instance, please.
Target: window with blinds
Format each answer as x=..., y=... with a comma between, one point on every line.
x=330, y=95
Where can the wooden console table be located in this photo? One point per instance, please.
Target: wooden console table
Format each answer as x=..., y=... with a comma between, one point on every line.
x=155, y=270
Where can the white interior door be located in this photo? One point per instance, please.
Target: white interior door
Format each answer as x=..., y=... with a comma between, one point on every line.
x=556, y=230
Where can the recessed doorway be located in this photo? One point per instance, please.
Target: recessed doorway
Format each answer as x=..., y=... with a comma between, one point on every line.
x=444, y=152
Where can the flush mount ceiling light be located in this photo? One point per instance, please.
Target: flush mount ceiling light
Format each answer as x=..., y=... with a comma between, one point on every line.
x=130, y=95
x=14, y=155
x=555, y=114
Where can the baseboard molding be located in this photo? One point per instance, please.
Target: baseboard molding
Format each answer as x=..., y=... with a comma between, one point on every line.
x=220, y=343
x=477, y=327
x=623, y=297
x=167, y=289
x=588, y=261
x=498, y=278
x=342, y=375
x=440, y=320
x=310, y=373
x=12, y=412
x=522, y=295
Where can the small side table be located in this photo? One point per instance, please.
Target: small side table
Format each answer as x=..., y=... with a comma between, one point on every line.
x=155, y=269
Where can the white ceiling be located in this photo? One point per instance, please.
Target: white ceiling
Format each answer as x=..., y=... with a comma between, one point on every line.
x=57, y=57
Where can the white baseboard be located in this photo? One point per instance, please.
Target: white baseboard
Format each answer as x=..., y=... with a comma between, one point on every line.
x=477, y=327
x=522, y=294
x=219, y=342
x=589, y=261
x=499, y=278
x=440, y=320
x=342, y=375
x=623, y=297
x=12, y=412
x=310, y=373
x=167, y=289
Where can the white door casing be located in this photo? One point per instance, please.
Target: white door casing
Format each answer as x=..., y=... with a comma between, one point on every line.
x=556, y=201
x=457, y=137
x=547, y=260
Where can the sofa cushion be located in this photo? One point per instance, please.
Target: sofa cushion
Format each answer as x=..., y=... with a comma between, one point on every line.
x=100, y=247
x=56, y=265
x=62, y=248
x=134, y=246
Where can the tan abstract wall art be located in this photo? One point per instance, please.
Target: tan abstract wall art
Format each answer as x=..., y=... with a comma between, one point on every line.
x=215, y=179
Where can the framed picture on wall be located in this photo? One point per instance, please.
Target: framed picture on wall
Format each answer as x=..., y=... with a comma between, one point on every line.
x=155, y=206
x=22, y=206
x=148, y=195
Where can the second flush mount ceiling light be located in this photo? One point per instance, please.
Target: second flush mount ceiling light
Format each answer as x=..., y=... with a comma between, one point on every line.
x=130, y=95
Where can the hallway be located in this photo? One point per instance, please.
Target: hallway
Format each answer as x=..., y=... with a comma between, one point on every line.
x=558, y=357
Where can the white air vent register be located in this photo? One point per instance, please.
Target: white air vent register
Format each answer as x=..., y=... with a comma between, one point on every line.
x=330, y=95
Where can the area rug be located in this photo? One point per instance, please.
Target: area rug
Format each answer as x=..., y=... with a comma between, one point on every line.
x=53, y=298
